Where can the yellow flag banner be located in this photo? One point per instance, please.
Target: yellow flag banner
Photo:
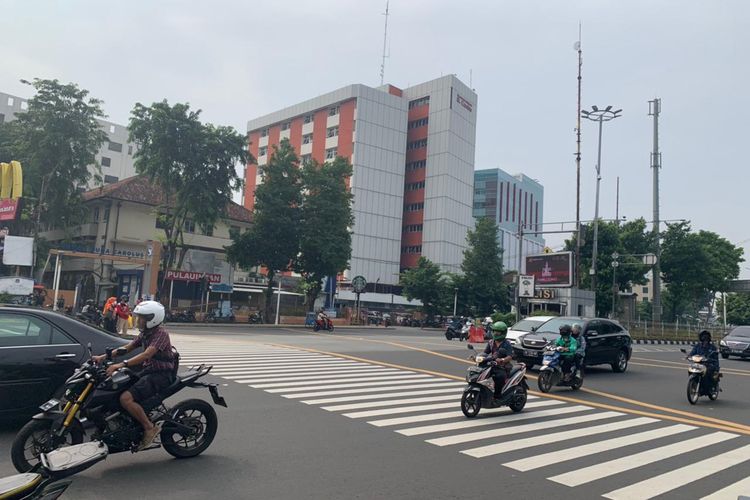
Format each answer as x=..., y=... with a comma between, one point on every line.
x=11, y=189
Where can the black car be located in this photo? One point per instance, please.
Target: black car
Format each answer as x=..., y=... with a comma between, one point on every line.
x=736, y=343
x=39, y=350
x=607, y=342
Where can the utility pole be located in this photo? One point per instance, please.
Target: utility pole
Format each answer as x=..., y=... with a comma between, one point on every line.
x=577, y=268
x=654, y=109
x=520, y=263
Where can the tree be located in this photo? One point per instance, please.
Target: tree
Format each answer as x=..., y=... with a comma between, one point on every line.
x=325, y=222
x=273, y=241
x=696, y=266
x=738, y=308
x=481, y=286
x=56, y=141
x=427, y=283
x=194, y=165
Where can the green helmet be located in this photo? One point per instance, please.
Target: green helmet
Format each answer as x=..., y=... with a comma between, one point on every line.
x=499, y=330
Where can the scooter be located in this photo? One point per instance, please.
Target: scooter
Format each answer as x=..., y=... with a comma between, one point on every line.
x=698, y=384
x=40, y=484
x=551, y=373
x=323, y=324
x=480, y=391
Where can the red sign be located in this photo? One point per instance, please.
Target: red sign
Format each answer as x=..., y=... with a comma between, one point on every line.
x=463, y=102
x=192, y=276
x=8, y=209
x=551, y=269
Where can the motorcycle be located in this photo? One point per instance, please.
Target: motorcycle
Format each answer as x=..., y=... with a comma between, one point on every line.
x=480, y=391
x=32, y=486
x=458, y=329
x=551, y=373
x=323, y=324
x=92, y=399
x=698, y=384
x=255, y=319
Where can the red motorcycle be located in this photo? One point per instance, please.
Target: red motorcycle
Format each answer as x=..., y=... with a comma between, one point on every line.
x=323, y=324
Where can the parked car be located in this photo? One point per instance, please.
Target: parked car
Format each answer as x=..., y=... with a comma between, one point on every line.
x=736, y=343
x=526, y=325
x=607, y=342
x=39, y=350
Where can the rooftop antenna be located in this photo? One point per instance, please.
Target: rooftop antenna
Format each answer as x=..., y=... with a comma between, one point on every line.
x=471, y=79
x=385, y=43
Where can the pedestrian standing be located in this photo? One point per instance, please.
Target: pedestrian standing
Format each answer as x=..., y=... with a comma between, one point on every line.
x=122, y=311
x=110, y=320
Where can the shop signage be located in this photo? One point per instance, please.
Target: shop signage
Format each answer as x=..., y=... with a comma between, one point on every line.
x=545, y=294
x=119, y=252
x=192, y=276
x=551, y=269
x=8, y=209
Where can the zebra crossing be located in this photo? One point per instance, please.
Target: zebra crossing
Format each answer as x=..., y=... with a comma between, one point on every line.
x=622, y=456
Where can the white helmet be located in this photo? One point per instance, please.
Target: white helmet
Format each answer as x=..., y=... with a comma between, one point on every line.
x=151, y=310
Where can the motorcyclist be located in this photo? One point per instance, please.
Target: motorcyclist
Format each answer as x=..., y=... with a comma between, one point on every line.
x=707, y=349
x=581, y=349
x=158, y=360
x=568, y=346
x=322, y=318
x=499, y=351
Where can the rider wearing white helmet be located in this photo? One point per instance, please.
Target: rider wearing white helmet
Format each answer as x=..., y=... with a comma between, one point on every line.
x=158, y=360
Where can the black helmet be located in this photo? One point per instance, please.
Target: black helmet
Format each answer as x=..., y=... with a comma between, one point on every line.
x=565, y=330
x=89, y=301
x=705, y=334
x=124, y=298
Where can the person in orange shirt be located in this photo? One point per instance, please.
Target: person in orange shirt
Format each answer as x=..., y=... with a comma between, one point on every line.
x=109, y=314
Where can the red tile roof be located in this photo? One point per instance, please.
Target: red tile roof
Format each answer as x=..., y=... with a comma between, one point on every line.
x=140, y=189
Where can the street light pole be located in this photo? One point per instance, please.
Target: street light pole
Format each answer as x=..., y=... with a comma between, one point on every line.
x=455, y=301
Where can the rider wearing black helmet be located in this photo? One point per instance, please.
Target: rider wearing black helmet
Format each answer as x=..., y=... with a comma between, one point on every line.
x=708, y=349
x=568, y=346
x=499, y=350
x=581, y=350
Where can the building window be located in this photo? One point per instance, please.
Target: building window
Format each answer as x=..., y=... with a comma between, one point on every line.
x=414, y=207
x=95, y=215
x=332, y=132
x=130, y=149
x=263, y=132
x=286, y=125
x=413, y=228
x=309, y=118
x=644, y=299
x=479, y=204
x=415, y=165
x=415, y=186
x=412, y=249
x=307, y=139
x=115, y=146
x=234, y=230
x=207, y=230
x=189, y=226
x=10, y=101
x=263, y=151
x=306, y=158
x=110, y=179
x=106, y=215
x=645, y=289
x=331, y=153
x=333, y=111
x=419, y=102
x=418, y=123
x=421, y=143
x=161, y=221
x=106, y=162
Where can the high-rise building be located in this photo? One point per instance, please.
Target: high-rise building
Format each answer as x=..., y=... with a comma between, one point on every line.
x=512, y=201
x=412, y=153
x=115, y=156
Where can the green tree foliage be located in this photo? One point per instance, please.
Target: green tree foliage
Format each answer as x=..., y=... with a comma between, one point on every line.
x=56, y=141
x=696, y=266
x=481, y=286
x=325, y=222
x=273, y=241
x=193, y=163
x=629, y=240
x=738, y=308
x=426, y=282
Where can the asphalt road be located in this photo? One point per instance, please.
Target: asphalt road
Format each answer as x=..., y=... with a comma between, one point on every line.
x=372, y=414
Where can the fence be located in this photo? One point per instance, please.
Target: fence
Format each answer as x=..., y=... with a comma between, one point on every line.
x=649, y=330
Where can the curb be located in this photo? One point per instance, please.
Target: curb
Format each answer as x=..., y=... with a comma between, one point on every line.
x=662, y=342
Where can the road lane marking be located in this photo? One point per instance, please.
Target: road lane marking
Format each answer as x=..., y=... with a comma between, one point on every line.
x=316, y=376
x=343, y=399
x=735, y=490
x=423, y=384
x=680, y=477
x=411, y=380
x=302, y=384
x=341, y=365
x=396, y=411
x=729, y=371
x=276, y=366
x=517, y=429
x=572, y=453
x=388, y=422
x=347, y=370
x=501, y=419
x=530, y=442
x=619, y=465
x=389, y=402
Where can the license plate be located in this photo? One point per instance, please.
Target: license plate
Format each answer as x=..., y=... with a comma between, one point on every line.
x=49, y=405
x=532, y=354
x=737, y=351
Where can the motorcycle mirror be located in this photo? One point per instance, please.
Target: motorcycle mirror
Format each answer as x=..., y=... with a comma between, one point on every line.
x=88, y=348
x=470, y=347
x=683, y=350
x=109, y=353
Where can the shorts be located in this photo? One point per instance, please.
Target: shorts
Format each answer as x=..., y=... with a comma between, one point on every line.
x=150, y=384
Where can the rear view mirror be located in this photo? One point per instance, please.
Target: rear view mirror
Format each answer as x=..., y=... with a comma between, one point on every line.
x=592, y=333
x=533, y=328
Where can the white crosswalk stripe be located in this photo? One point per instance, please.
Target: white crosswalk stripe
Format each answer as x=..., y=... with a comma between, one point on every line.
x=425, y=406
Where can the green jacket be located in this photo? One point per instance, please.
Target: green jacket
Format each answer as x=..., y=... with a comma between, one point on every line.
x=571, y=344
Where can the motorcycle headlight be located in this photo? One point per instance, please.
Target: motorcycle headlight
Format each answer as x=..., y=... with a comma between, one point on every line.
x=480, y=360
x=723, y=343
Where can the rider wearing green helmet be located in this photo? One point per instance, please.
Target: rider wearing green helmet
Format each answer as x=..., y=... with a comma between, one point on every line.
x=499, y=350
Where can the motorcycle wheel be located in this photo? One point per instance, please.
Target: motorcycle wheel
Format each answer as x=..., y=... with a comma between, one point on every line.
x=471, y=403
x=32, y=439
x=316, y=327
x=198, y=415
x=693, y=390
x=544, y=381
x=448, y=335
x=519, y=399
x=577, y=383
x=714, y=394
x=330, y=328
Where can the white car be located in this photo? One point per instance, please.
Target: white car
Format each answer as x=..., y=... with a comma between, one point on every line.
x=525, y=326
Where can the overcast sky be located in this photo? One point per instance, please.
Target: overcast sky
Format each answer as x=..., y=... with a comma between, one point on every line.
x=237, y=60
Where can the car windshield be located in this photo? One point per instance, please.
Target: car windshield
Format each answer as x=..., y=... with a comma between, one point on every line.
x=525, y=325
x=553, y=325
x=742, y=331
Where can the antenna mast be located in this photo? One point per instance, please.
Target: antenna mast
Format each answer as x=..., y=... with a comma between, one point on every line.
x=385, y=43
x=577, y=280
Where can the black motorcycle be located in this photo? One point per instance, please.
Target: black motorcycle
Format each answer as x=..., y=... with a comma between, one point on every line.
x=480, y=389
x=92, y=403
x=698, y=383
x=456, y=330
x=255, y=319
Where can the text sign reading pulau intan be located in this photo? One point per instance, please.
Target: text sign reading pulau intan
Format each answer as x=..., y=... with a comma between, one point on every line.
x=551, y=269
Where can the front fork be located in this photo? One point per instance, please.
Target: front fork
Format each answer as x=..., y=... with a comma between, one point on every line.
x=71, y=409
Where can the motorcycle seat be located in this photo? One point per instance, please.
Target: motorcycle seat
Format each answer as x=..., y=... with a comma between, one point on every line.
x=515, y=369
x=18, y=484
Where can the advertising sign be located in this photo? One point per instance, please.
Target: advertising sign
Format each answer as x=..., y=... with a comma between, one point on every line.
x=551, y=269
x=526, y=288
x=8, y=209
x=18, y=251
x=192, y=276
x=16, y=285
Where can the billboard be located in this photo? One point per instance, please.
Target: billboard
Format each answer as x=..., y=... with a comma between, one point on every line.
x=551, y=269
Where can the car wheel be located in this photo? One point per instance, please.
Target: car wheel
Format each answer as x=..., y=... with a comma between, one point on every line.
x=724, y=355
x=621, y=363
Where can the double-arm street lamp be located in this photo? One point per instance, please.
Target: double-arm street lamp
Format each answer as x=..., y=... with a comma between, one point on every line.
x=601, y=116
